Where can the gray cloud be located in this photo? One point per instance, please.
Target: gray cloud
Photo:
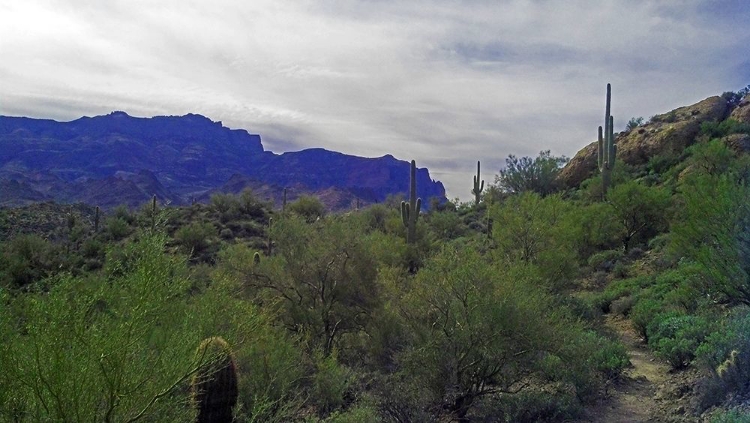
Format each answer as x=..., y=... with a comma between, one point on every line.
x=444, y=82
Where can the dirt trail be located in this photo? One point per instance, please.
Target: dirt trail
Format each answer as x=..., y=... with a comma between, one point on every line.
x=633, y=398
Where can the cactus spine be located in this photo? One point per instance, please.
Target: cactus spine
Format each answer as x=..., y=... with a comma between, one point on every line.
x=607, y=151
x=477, y=191
x=214, y=386
x=410, y=210
x=256, y=258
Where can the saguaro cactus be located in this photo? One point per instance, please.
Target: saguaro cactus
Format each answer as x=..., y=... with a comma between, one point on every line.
x=607, y=147
x=477, y=190
x=153, y=213
x=283, y=202
x=96, y=219
x=410, y=210
x=214, y=386
x=269, y=244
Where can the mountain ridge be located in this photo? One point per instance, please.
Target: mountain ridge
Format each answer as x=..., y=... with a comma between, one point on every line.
x=185, y=156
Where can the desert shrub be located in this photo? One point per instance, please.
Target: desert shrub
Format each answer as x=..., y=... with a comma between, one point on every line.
x=675, y=337
x=712, y=231
x=731, y=416
x=227, y=206
x=538, y=231
x=724, y=128
x=537, y=175
x=633, y=123
x=610, y=358
x=620, y=270
x=27, y=259
x=445, y=225
x=308, y=207
x=605, y=260
x=97, y=351
x=623, y=305
x=116, y=228
x=226, y=233
x=330, y=383
x=643, y=313
x=726, y=351
x=250, y=206
x=619, y=289
x=497, y=322
x=640, y=211
x=123, y=212
x=195, y=238
x=528, y=407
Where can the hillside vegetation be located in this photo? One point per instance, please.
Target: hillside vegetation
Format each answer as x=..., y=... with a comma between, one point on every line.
x=485, y=311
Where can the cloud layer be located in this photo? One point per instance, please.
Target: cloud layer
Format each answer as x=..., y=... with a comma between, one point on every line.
x=444, y=82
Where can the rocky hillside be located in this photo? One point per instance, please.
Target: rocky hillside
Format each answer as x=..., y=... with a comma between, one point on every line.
x=115, y=159
x=667, y=134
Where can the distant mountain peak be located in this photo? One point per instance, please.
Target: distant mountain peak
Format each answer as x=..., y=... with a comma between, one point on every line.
x=179, y=158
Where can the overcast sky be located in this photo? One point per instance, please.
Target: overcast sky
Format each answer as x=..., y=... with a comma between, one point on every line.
x=444, y=82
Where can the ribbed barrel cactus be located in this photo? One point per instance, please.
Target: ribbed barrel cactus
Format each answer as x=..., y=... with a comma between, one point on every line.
x=214, y=386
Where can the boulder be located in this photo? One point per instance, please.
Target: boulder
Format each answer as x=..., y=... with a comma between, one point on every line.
x=742, y=112
x=740, y=143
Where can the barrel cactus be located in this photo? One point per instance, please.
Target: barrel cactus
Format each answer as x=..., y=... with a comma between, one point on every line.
x=214, y=386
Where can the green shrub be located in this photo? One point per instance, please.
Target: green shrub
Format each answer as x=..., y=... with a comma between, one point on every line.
x=610, y=357
x=724, y=128
x=676, y=336
x=117, y=228
x=308, y=207
x=356, y=414
x=329, y=384
x=195, y=238
x=605, y=260
x=731, y=416
x=643, y=313
x=623, y=305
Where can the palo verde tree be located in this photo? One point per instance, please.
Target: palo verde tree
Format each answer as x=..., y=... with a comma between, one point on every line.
x=531, y=175
x=324, y=276
x=640, y=211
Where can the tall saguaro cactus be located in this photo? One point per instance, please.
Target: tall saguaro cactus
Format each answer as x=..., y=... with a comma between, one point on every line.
x=410, y=210
x=477, y=190
x=214, y=387
x=96, y=220
x=153, y=213
x=607, y=147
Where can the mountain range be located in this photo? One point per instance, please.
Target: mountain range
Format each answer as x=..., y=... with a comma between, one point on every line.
x=120, y=159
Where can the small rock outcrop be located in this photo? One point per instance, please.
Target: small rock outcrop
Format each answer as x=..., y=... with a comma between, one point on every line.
x=669, y=133
x=742, y=112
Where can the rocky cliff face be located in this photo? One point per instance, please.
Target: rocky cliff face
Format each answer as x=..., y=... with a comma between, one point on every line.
x=117, y=158
x=669, y=133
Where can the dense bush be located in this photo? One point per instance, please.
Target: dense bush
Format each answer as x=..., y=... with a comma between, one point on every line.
x=537, y=175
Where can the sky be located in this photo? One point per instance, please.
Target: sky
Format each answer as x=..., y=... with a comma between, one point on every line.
x=443, y=82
